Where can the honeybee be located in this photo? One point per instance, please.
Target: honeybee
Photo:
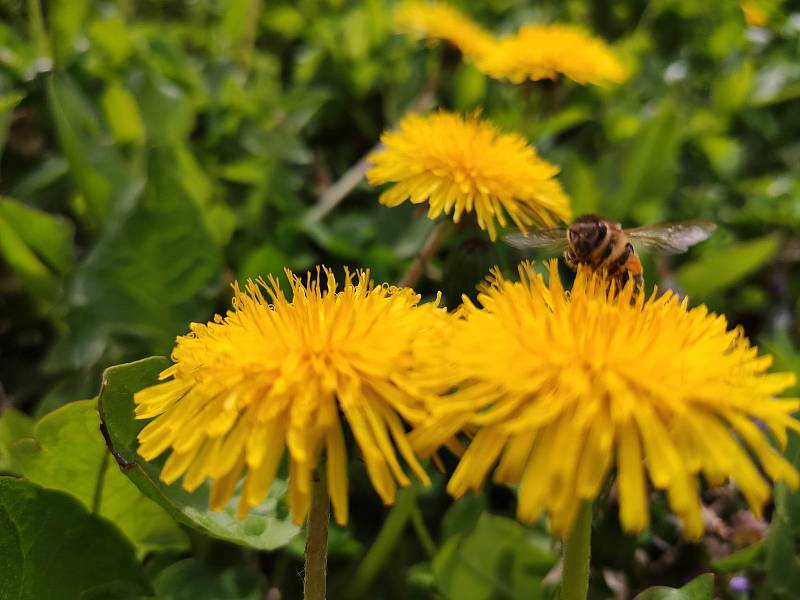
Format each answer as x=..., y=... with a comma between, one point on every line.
x=603, y=244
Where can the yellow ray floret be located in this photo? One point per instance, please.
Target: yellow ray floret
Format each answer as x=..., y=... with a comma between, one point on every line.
x=547, y=51
x=438, y=21
x=563, y=388
x=278, y=374
x=464, y=165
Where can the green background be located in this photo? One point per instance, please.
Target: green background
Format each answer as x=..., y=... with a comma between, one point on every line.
x=153, y=152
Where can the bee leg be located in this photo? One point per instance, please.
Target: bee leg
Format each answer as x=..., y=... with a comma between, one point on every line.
x=571, y=260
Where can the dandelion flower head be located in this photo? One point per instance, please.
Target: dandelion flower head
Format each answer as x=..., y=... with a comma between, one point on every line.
x=547, y=51
x=755, y=14
x=440, y=21
x=563, y=388
x=464, y=165
x=277, y=374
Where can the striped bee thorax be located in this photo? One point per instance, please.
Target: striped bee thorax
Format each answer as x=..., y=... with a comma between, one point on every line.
x=603, y=245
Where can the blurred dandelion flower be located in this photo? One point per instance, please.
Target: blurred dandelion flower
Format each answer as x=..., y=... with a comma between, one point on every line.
x=434, y=21
x=563, y=388
x=463, y=165
x=754, y=13
x=276, y=373
x=547, y=51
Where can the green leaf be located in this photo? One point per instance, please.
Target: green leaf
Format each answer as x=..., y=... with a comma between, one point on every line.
x=14, y=425
x=648, y=167
x=266, y=527
x=499, y=558
x=469, y=87
x=192, y=580
x=719, y=269
x=102, y=176
x=122, y=115
x=66, y=452
x=66, y=18
x=48, y=235
x=741, y=559
x=147, y=276
x=54, y=548
x=32, y=272
x=699, y=588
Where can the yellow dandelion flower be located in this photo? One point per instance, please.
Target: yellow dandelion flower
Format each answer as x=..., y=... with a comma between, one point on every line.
x=277, y=374
x=563, y=388
x=547, y=51
x=463, y=165
x=754, y=14
x=434, y=21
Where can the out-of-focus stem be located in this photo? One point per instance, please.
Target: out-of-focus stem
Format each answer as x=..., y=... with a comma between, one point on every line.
x=577, y=549
x=429, y=248
x=316, y=567
x=381, y=548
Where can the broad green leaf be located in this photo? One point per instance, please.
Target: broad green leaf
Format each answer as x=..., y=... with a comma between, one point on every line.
x=499, y=558
x=32, y=272
x=266, y=527
x=647, y=169
x=66, y=18
x=66, y=452
x=741, y=559
x=262, y=261
x=463, y=515
x=148, y=276
x=53, y=548
x=14, y=425
x=48, y=235
x=720, y=269
x=190, y=579
x=699, y=588
x=113, y=38
x=122, y=115
x=104, y=179
x=782, y=562
x=166, y=109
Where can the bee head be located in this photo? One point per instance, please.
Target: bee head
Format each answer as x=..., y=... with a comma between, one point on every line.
x=585, y=234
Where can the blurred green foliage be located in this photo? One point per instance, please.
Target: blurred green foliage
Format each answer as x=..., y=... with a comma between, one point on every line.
x=154, y=151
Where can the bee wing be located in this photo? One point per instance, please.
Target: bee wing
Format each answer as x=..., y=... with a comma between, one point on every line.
x=554, y=238
x=671, y=238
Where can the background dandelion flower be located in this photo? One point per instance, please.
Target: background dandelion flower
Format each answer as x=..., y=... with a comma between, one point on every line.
x=435, y=21
x=277, y=374
x=565, y=387
x=463, y=165
x=547, y=51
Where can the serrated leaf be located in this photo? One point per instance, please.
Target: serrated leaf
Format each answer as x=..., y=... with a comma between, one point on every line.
x=66, y=452
x=267, y=527
x=53, y=548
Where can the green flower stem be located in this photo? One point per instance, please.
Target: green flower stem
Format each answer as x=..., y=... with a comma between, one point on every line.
x=423, y=535
x=317, y=541
x=577, y=548
x=382, y=547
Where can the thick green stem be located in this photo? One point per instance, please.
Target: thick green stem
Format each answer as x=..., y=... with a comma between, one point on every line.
x=317, y=541
x=575, y=575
